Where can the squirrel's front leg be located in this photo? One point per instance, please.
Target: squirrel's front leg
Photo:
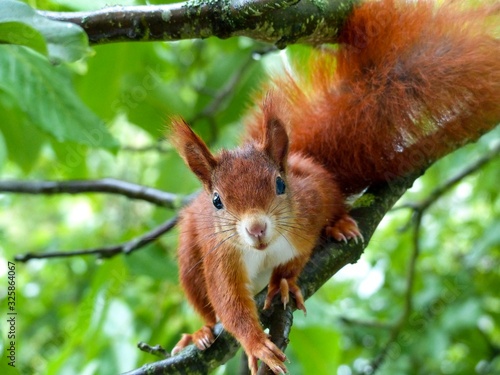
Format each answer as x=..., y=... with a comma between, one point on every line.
x=235, y=307
x=193, y=282
x=284, y=282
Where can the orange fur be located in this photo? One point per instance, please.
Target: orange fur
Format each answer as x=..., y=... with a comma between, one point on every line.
x=405, y=72
x=408, y=82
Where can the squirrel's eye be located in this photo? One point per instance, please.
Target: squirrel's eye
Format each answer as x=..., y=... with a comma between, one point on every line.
x=217, y=201
x=280, y=186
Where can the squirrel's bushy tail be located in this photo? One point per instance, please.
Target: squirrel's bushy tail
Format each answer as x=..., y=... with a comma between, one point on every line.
x=409, y=81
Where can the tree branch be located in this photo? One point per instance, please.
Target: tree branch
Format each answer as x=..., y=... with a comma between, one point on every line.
x=110, y=251
x=193, y=361
x=106, y=185
x=279, y=321
x=452, y=182
x=374, y=324
x=156, y=350
x=266, y=20
x=159, y=146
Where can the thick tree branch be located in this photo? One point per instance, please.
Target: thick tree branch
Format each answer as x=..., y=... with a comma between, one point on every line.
x=106, y=185
x=279, y=321
x=280, y=22
x=193, y=361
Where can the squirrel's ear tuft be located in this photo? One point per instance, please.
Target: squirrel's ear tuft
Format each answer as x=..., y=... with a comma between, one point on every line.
x=193, y=150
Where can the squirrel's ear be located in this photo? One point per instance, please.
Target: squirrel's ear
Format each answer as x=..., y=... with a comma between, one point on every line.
x=193, y=150
x=275, y=142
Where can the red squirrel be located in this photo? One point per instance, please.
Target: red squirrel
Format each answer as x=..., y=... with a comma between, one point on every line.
x=408, y=81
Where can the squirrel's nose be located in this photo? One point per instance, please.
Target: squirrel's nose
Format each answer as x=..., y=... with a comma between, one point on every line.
x=256, y=229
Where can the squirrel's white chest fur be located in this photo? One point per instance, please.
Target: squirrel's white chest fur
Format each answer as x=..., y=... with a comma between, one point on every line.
x=259, y=264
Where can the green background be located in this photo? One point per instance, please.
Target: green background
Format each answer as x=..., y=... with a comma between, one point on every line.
x=102, y=111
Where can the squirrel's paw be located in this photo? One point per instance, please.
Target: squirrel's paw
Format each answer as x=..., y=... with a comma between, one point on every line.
x=268, y=353
x=345, y=229
x=203, y=339
x=285, y=287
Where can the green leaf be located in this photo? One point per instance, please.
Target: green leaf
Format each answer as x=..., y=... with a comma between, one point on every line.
x=23, y=143
x=3, y=151
x=46, y=95
x=116, y=64
x=60, y=41
x=71, y=159
x=22, y=34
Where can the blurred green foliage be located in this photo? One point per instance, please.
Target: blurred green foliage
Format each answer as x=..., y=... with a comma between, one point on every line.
x=85, y=316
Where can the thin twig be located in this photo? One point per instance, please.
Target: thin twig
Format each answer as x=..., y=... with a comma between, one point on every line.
x=452, y=182
x=159, y=146
x=156, y=350
x=219, y=100
x=218, y=103
x=110, y=251
x=408, y=298
x=367, y=323
x=106, y=185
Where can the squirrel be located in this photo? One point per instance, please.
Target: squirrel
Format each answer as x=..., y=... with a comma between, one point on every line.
x=408, y=81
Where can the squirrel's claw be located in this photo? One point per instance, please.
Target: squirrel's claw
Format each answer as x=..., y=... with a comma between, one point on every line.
x=268, y=353
x=285, y=287
x=203, y=339
x=345, y=229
